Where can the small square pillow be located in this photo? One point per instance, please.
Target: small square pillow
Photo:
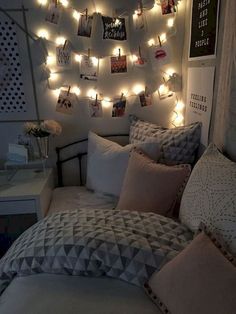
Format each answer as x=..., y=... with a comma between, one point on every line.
x=199, y=280
x=149, y=186
x=178, y=145
x=210, y=196
x=107, y=163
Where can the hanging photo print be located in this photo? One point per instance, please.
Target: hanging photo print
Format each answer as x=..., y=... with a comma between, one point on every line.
x=168, y=6
x=114, y=28
x=118, y=64
x=95, y=106
x=160, y=55
x=145, y=99
x=85, y=25
x=63, y=55
x=119, y=106
x=66, y=102
x=88, y=69
x=53, y=13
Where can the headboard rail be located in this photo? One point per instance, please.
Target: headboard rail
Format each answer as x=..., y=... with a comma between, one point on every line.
x=79, y=155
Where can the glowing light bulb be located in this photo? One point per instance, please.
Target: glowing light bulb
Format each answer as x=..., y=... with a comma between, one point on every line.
x=42, y=2
x=179, y=106
x=65, y=3
x=54, y=76
x=76, y=90
x=124, y=91
x=138, y=88
x=170, y=72
x=95, y=61
x=60, y=41
x=133, y=58
x=117, y=22
x=163, y=37
x=92, y=93
x=78, y=58
x=179, y=120
x=151, y=42
x=117, y=51
x=163, y=89
x=106, y=102
x=76, y=15
x=51, y=60
x=170, y=22
x=43, y=33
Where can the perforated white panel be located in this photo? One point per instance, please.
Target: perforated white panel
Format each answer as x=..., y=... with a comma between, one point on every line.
x=12, y=95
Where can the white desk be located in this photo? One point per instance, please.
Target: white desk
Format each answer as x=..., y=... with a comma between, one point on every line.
x=26, y=191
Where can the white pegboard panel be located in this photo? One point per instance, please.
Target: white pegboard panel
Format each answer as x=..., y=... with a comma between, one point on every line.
x=12, y=95
x=16, y=99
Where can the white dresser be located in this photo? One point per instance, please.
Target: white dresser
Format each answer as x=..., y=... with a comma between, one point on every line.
x=26, y=191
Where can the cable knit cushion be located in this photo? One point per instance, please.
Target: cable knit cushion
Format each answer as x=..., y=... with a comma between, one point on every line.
x=178, y=145
x=200, y=280
x=149, y=186
x=210, y=196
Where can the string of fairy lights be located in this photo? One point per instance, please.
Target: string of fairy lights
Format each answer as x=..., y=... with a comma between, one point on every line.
x=160, y=39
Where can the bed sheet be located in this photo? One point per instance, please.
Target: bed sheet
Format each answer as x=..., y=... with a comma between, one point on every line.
x=43, y=293
x=75, y=197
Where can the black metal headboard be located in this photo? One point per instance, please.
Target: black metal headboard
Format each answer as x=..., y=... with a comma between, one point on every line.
x=79, y=156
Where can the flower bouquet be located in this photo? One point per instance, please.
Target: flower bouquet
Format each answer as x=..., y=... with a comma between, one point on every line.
x=42, y=131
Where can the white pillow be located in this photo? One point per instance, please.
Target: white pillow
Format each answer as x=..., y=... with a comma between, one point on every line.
x=210, y=196
x=108, y=161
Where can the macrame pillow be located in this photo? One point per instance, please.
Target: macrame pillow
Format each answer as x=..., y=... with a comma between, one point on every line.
x=210, y=196
x=178, y=145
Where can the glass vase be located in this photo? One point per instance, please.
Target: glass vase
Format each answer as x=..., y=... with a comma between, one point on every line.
x=43, y=146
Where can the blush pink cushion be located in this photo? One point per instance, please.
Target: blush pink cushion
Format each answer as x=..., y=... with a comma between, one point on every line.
x=149, y=186
x=200, y=280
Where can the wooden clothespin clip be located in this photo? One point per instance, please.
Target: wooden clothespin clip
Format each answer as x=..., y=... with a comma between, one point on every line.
x=146, y=90
x=89, y=53
x=121, y=97
x=119, y=53
x=65, y=43
x=68, y=92
x=86, y=13
x=139, y=51
x=56, y=3
x=140, y=7
x=159, y=39
x=96, y=99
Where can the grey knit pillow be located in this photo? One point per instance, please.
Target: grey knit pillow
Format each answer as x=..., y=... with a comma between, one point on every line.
x=178, y=145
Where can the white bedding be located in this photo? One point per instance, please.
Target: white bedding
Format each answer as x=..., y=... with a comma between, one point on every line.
x=74, y=197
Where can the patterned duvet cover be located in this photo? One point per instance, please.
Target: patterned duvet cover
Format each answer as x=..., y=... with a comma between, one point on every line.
x=127, y=245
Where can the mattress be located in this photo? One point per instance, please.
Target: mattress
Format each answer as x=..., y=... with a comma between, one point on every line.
x=43, y=293
x=74, y=197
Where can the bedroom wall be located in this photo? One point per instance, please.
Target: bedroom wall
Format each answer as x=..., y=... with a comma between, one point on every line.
x=222, y=127
x=77, y=125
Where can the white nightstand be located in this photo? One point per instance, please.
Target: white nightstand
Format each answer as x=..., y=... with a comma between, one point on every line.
x=26, y=191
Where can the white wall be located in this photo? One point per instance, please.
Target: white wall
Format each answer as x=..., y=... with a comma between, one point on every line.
x=77, y=125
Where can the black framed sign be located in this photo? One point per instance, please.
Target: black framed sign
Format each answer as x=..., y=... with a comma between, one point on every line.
x=204, y=29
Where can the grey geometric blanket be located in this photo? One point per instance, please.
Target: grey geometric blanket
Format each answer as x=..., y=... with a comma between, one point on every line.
x=127, y=245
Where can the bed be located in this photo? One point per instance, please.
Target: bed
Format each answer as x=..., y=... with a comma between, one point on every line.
x=97, y=288
x=86, y=256
x=104, y=273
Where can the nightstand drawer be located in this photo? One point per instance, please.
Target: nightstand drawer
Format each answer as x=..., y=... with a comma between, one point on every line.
x=17, y=207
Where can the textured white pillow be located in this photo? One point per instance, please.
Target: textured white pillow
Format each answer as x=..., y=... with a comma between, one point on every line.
x=210, y=196
x=108, y=161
